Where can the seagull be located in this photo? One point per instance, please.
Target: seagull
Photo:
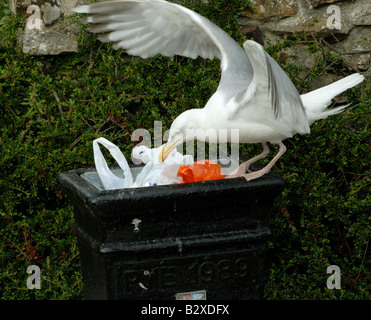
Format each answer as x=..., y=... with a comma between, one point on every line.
x=254, y=94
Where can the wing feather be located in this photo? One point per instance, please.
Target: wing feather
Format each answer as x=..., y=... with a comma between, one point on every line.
x=284, y=100
x=112, y=26
x=122, y=21
x=149, y=27
x=177, y=30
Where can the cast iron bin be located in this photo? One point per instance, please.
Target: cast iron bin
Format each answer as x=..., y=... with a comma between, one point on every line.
x=156, y=242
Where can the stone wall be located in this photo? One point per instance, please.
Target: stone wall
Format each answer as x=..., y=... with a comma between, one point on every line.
x=344, y=26
x=47, y=28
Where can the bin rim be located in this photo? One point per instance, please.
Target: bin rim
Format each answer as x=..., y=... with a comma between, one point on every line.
x=71, y=180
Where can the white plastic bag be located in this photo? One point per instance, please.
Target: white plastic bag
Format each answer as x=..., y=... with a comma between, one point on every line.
x=109, y=180
x=145, y=155
x=153, y=173
x=156, y=172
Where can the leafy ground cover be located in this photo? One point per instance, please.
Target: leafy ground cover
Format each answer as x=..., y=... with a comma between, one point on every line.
x=53, y=107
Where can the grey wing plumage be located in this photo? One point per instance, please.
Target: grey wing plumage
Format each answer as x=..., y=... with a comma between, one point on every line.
x=285, y=104
x=146, y=28
x=286, y=101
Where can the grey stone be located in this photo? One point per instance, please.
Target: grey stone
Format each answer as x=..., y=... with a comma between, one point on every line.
x=358, y=62
x=358, y=41
x=316, y=26
x=253, y=32
x=49, y=41
x=51, y=35
x=19, y=6
x=68, y=5
x=300, y=56
x=50, y=13
x=319, y=3
x=272, y=8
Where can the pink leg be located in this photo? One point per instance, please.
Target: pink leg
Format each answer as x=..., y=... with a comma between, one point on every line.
x=245, y=166
x=267, y=168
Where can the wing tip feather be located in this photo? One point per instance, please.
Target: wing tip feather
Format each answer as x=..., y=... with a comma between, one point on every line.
x=82, y=9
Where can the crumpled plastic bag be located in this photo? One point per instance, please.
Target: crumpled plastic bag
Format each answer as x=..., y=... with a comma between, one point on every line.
x=109, y=180
x=201, y=171
x=144, y=154
x=156, y=172
x=153, y=173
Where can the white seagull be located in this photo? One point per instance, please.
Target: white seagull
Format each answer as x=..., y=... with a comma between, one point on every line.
x=254, y=95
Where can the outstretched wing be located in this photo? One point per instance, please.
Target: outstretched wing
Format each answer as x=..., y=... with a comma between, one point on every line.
x=146, y=28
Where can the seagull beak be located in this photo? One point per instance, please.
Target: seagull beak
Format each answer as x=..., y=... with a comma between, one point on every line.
x=166, y=150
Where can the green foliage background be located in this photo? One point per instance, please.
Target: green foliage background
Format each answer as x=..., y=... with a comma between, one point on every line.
x=53, y=107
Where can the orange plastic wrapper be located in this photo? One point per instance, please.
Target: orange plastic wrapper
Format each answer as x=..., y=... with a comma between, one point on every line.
x=200, y=171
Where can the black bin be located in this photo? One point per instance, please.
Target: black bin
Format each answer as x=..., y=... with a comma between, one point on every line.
x=185, y=241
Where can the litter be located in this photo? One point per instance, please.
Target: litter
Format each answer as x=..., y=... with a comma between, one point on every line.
x=109, y=180
x=176, y=168
x=201, y=171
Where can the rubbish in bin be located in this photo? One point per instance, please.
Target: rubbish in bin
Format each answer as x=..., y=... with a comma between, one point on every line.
x=109, y=180
x=177, y=168
x=143, y=154
x=152, y=173
x=200, y=171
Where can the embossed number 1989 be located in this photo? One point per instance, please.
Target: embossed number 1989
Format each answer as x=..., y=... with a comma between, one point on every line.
x=170, y=276
x=222, y=270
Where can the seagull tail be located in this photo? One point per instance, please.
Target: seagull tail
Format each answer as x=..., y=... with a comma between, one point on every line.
x=317, y=101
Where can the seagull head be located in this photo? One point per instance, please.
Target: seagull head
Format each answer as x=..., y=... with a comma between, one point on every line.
x=188, y=120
